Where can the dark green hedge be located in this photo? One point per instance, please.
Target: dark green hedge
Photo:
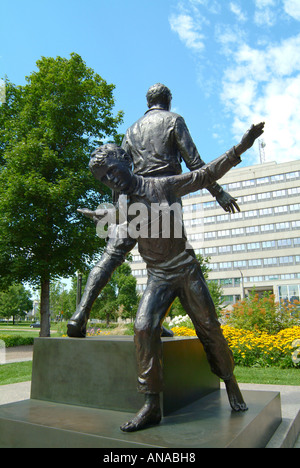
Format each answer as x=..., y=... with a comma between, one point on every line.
x=16, y=340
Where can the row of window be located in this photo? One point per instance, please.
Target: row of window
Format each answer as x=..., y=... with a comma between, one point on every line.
x=250, y=247
x=258, y=182
x=284, y=291
x=256, y=263
x=256, y=197
x=235, y=282
x=276, y=211
x=245, y=231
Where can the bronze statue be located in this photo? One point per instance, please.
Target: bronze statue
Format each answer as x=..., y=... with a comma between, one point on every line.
x=156, y=144
x=173, y=270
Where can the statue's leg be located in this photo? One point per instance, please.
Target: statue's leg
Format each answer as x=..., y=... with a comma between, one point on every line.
x=196, y=299
x=153, y=307
x=113, y=256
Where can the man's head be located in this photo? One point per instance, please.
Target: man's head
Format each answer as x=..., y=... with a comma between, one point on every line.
x=159, y=95
x=111, y=165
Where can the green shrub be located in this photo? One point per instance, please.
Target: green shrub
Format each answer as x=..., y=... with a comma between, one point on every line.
x=264, y=314
x=16, y=340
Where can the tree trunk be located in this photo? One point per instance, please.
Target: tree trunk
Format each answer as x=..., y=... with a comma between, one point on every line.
x=45, y=308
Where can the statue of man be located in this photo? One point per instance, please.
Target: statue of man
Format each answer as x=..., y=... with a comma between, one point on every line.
x=156, y=144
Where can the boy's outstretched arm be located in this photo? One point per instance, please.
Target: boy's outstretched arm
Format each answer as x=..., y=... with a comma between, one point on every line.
x=249, y=138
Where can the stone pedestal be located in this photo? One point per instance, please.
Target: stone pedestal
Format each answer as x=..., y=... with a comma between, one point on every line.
x=101, y=372
x=84, y=389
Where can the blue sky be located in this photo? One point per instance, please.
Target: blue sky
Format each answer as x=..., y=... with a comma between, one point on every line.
x=227, y=63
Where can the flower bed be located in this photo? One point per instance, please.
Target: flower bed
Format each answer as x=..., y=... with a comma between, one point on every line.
x=257, y=348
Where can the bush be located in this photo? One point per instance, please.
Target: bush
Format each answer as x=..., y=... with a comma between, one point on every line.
x=16, y=340
x=264, y=314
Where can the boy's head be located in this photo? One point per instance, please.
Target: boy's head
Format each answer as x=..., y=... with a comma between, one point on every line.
x=111, y=165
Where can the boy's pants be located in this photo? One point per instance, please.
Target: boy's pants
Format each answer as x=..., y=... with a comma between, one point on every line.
x=190, y=286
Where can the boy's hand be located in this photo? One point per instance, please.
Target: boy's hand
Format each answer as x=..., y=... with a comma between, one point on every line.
x=96, y=216
x=249, y=138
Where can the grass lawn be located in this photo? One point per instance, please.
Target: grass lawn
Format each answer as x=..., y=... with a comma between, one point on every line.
x=21, y=372
x=15, y=372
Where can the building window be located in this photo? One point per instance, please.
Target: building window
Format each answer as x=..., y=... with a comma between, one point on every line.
x=225, y=249
x=239, y=247
x=282, y=226
x=280, y=209
x=262, y=180
x=240, y=264
x=224, y=233
x=248, y=183
x=234, y=186
x=249, y=198
x=223, y=218
x=269, y=245
x=284, y=243
x=277, y=178
x=238, y=232
x=266, y=212
x=292, y=175
x=209, y=205
x=251, y=214
x=253, y=246
x=267, y=227
x=210, y=220
x=264, y=196
x=279, y=193
x=255, y=263
x=270, y=261
x=286, y=260
x=294, y=191
x=295, y=207
x=226, y=282
x=252, y=229
x=210, y=250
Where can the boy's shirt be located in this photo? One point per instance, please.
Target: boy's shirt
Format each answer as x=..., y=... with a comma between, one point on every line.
x=166, y=253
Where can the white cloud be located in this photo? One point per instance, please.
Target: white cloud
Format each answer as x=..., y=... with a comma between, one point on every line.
x=188, y=31
x=292, y=8
x=237, y=11
x=265, y=85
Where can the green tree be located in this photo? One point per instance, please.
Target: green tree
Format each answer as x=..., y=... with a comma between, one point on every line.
x=48, y=129
x=62, y=301
x=214, y=289
x=119, y=297
x=15, y=301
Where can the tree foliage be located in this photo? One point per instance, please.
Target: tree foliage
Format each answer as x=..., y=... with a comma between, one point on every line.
x=15, y=301
x=214, y=289
x=119, y=298
x=48, y=129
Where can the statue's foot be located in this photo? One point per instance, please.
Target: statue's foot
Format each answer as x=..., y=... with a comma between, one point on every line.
x=167, y=333
x=149, y=415
x=235, y=397
x=76, y=329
